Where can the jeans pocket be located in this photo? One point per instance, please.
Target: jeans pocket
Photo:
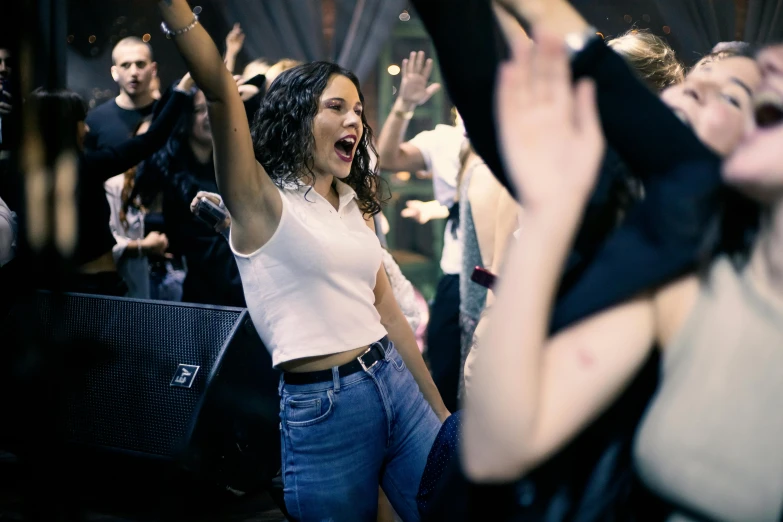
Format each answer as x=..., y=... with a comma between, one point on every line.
x=396, y=359
x=308, y=409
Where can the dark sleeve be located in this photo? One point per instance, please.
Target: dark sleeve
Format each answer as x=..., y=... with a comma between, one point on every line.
x=469, y=51
x=640, y=128
x=251, y=107
x=184, y=185
x=91, y=138
x=661, y=239
x=110, y=161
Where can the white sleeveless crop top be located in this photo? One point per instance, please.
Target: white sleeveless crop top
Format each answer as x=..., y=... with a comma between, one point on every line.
x=309, y=289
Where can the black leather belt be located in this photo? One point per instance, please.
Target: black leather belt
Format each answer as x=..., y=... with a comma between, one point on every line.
x=365, y=361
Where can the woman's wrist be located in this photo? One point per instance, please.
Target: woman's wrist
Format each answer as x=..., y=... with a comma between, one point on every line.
x=403, y=108
x=556, y=223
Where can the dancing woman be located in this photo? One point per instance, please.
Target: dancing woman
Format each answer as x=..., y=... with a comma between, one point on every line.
x=358, y=406
x=707, y=445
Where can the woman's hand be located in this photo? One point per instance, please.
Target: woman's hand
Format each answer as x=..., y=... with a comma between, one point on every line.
x=235, y=40
x=424, y=211
x=550, y=132
x=217, y=200
x=416, y=72
x=186, y=84
x=155, y=244
x=246, y=91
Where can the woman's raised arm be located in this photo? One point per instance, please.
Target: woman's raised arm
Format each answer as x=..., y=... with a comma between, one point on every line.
x=249, y=194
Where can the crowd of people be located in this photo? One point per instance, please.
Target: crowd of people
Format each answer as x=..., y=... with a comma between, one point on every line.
x=604, y=343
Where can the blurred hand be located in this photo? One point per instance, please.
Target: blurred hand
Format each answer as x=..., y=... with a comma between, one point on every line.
x=186, y=84
x=531, y=10
x=155, y=244
x=217, y=200
x=549, y=130
x=235, y=40
x=245, y=91
x=416, y=72
x=424, y=211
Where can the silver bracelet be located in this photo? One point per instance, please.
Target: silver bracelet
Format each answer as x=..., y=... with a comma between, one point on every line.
x=170, y=34
x=138, y=246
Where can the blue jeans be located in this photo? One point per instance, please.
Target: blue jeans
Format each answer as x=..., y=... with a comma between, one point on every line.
x=341, y=439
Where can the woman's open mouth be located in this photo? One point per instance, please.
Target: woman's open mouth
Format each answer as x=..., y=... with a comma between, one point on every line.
x=344, y=148
x=768, y=109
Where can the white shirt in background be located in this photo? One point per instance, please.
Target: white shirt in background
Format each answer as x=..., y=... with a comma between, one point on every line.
x=441, y=148
x=133, y=270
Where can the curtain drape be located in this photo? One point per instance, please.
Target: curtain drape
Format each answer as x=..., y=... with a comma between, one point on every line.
x=697, y=25
x=276, y=29
x=764, y=24
x=362, y=28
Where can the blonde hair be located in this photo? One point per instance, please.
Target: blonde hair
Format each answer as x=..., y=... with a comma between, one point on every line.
x=257, y=66
x=280, y=66
x=652, y=58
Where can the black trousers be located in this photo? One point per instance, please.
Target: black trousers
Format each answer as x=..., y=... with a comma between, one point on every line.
x=443, y=340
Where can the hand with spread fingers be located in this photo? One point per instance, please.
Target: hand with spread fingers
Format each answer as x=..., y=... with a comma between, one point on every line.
x=550, y=132
x=235, y=40
x=415, y=72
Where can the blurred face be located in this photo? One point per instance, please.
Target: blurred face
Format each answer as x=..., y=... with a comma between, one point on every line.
x=201, y=132
x=5, y=63
x=337, y=127
x=756, y=167
x=715, y=100
x=133, y=69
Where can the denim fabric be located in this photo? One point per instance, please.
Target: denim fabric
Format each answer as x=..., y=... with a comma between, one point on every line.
x=341, y=439
x=167, y=286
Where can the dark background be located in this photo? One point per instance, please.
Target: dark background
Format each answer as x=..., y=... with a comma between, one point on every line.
x=89, y=59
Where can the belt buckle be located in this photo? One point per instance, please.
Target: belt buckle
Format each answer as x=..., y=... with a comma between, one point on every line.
x=361, y=361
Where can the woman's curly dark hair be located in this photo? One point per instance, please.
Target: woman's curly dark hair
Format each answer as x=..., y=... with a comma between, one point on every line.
x=283, y=133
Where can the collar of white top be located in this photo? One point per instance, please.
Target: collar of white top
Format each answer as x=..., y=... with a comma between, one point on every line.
x=344, y=192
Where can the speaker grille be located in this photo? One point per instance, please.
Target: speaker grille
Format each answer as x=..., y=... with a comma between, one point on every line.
x=124, y=399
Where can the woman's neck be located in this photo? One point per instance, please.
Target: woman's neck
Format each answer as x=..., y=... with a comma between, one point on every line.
x=323, y=185
x=201, y=151
x=769, y=252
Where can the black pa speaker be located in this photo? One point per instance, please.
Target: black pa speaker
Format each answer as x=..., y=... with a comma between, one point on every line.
x=191, y=385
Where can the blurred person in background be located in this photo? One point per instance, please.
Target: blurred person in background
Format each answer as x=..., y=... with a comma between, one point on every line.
x=96, y=270
x=134, y=246
x=178, y=171
x=707, y=447
x=438, y=152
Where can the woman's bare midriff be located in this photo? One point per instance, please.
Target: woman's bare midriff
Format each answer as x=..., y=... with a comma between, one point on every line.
x=322, y=362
